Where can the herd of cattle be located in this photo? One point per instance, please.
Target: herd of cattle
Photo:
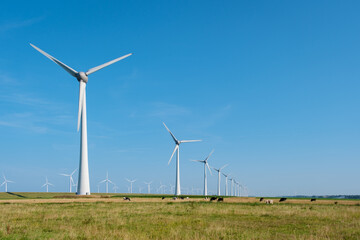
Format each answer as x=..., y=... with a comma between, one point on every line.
x=220, y=199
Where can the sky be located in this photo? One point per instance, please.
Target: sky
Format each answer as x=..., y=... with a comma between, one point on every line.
x=272, y=86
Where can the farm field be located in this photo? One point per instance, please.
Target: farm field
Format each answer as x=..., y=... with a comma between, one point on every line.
x=56, y=216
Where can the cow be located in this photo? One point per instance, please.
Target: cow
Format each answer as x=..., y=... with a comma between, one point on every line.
x=162, y=198
x=220, y=199
x=174, y=198
x=182, y=198
x=261, y=199
x=127, y=198
x=269, y=201
x=213, y=199
x=335, y=202
x=283, y=199
x=313, y=200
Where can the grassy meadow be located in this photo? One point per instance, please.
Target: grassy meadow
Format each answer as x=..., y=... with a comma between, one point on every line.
x=46, y=216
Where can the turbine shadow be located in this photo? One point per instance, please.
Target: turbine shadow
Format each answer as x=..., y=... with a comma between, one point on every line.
x=18, y=195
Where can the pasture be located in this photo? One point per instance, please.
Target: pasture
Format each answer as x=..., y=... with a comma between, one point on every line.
x=56, y=216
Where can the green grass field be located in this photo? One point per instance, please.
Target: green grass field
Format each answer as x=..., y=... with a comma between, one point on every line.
x=113, y=218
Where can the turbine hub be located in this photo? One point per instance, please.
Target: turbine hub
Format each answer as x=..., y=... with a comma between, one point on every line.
x=81, y=76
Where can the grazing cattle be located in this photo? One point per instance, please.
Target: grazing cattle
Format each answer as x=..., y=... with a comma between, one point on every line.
x=187, y=197
x=283, y=199
x=127, y=198
x=313, y=200
x=174, y=198
x=162, y=198
x=261, y=199
x=182, y=198
x=220, y=199
x=336, y=202
x=213, y=198
x=269, y=201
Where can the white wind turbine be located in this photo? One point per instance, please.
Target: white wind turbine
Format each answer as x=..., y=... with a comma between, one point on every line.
x=82, y=77
x=131, y=182
x=205, y=165
x=226, y=183
x=115, y=188
x=148, y=184
x=177, y=145
x=219, y=179
x=107, y=181
x=232, y=187
x=6, y=182
x=47, y=184
x=71, y=180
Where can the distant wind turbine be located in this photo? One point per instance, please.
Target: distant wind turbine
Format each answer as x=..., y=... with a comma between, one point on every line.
x=232, y=187
x=82, y=77
x=148, y=184
x=71, y=180
x=219, y=179
x=47, y=184
x=6, y=181
x=131, y=182
x=107, y=181
x=115, y=188
x=205, y=165
x=226, y=183
x=177, y=145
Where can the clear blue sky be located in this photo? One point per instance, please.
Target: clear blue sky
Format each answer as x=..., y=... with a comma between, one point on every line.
x=272, y=86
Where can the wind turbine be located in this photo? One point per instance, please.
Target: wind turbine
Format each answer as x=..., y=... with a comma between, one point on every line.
x=131, y=182
x=6, y=182
x=232, y=187
x=82, y=77
x=205, y=165
x=148, y=184
x=107, y=181
x=115, y=188
x=226, y=183
x=71, y=181
x=219, y=179
x=177, y=145
x=47, y=185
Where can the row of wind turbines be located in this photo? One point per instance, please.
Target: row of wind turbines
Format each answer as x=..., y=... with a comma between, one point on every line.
x=83, y=186
x=234, y=184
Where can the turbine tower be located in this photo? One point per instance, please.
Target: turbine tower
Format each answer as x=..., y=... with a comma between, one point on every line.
x=148, y=184
x=107, y=181
x=131, y=182
x=232, y=187
x=82, y=77
x=226, y=183
x=219, y=179
x=177, y=145
x=71, y=180
x=47, y=184
x=205, y=165
x=5, y=183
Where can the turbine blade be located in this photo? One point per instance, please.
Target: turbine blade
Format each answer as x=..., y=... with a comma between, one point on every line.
x=186, y=141
x=63, y=174
x=10, y=181
x=127, y=180
x=224, y=166
x=43, y=185
x=103, y=181
x=209, y=155
x=51, y=184
x=81, y=101
x=172, y=135
x=64, y=66
x=176, y=147
x=2, y=184
x=208, y=168
x=197, y=161
x=111, y=182
x=92, y=70
x=73, y=172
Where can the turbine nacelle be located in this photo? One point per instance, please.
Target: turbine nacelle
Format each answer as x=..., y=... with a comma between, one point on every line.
x=81, y=76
